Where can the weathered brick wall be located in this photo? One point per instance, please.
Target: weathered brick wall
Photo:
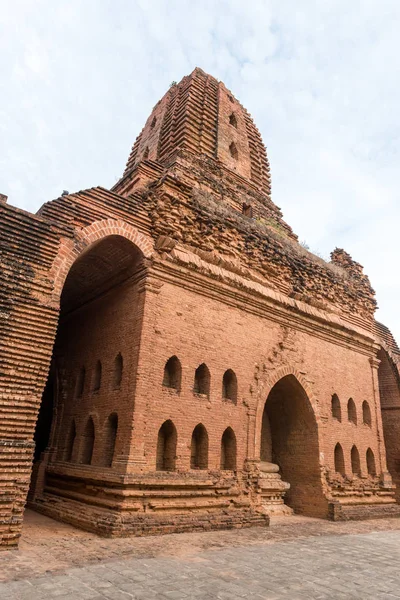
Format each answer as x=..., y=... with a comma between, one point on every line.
x=100, y=331
x=391, y=429
x=27, y=329
x=225, y=336
x=212, y=285
x=202, y=117
x=260, y=253
x=36, y=255
x=198, y=324
x=388, y=382
x=389, y=388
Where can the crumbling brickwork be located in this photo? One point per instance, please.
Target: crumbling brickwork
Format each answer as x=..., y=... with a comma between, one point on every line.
x=202, y=367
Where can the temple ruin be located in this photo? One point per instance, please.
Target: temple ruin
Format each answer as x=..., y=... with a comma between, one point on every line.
x=172, y=359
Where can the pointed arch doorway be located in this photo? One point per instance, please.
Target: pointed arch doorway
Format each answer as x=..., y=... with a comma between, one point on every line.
x=95, y=289
x=289, y=439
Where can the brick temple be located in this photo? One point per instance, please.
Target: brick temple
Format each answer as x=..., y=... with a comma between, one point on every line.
x=172, y=359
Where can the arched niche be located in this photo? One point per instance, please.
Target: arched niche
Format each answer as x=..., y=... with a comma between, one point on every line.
x=339, y=460
x=166, y=447
x=199, y=448
x=355, y=461
x=228, y=450
x=172, y=374
x=202, y=380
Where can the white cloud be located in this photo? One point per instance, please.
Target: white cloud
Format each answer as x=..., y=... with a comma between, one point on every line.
x=321, y=80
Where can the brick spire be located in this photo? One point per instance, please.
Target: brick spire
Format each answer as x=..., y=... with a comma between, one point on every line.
x=200, y=115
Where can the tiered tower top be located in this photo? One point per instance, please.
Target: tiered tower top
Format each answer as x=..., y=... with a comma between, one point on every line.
x=202, y=116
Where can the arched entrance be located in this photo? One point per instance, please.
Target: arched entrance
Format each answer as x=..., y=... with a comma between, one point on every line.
x=289, y=439
x=389, y=391
x=97, y=319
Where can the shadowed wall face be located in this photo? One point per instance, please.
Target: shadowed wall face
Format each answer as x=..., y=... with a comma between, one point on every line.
x=97, y=316
x=389, y=390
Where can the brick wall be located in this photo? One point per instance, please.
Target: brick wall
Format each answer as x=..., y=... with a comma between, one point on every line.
x=27, y=329
x=389, y=389
x=167, y=265
x=107, y=328
x=200, y=330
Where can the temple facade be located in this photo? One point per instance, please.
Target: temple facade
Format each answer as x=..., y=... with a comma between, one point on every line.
x=172, y=359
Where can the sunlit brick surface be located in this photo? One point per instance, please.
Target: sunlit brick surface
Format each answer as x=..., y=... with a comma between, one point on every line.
x=173, y=360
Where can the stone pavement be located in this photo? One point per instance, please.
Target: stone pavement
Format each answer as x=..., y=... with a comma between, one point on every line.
x=296, y=558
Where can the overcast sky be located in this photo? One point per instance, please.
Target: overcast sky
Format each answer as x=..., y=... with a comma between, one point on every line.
x=78, y=78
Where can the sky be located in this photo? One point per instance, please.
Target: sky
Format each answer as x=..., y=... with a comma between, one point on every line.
x=320, y=78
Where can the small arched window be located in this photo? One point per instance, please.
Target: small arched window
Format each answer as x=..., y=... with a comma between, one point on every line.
x=146, y=153
x=118, y=369
x=69, y=448
x=228, y=450
x=97, y=377
x=233, y=120
x=366, y=413
x=339, y=459
x=199, y=448
x=247, y=210
x=202, y=380
x=87, y=443
x=229, y=386
x=153, y=122
x=371, y=462
x=172, y=373
x=234, y=151
x=80, y=384
x=110, y=437
x=336, y=410
x=351, y=411
x=166, y=447
x=355, y=461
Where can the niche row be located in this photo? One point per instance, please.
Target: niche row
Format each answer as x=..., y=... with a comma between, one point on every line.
x=202, y=379
x=101, y=446
x=355, y=461
x=104, y=439
x=167, y=441
x=97, y=376
x=351, y=411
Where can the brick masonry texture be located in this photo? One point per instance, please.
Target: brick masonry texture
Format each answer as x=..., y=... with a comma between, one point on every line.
x=172, y=359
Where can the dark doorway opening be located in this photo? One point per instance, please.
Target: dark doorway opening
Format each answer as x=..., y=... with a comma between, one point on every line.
x=289, y=438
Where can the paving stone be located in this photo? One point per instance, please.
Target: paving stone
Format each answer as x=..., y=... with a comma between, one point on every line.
x=318, y=567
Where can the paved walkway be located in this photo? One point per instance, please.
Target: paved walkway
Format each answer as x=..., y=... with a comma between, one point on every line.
x=298, y=559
